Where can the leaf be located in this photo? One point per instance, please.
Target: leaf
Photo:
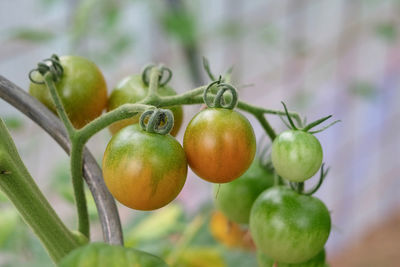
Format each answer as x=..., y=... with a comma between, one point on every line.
x=363, y=89
x=387, y=31
x=180, y=25
x=13, y=123
x=200, y=257
x=32, y=35
x=8, y=224
x=158, y=224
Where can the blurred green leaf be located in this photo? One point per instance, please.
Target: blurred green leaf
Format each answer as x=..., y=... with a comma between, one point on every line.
x=157, y=225
x=9, y=218
x=363, y=89
x=387, y=31
x=231, y=29
x=13, y=122
x=181, y=25
x=31, y=35
x=61, y=181
x=202, y=256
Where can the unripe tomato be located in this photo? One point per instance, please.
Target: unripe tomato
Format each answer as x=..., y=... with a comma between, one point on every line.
x=105, y=255
x=82, y=89
x=296, y=155
x=236, y=198
x=142, y=170
x=317, y=261
x=229, y=233
x=219, y=144
x=289, y=227
x=132, y=90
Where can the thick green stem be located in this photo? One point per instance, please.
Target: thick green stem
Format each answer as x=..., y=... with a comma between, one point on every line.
x=21, y=189
x=123, y=112
x=76, y=163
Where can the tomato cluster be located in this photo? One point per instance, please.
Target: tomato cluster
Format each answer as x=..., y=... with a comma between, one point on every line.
x=145, y=168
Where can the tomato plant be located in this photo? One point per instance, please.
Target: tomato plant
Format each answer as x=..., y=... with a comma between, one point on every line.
x=296, y=155
x=144, y=170
x=132, y=89
x=316, y=261
x=236, y=198
x=219, y=144
x=289, y=227
x=100, y=254
x=82, y=90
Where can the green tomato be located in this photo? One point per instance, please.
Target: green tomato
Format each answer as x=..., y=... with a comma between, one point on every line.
x=104, y=255
x=142, y=170
x=132, y=90
x=289, y=227
x=317, y=261
x=236, y=198
x=296, y=155
x=82, y=89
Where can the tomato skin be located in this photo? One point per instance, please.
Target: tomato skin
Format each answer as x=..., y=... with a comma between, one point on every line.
x=219, y=144
x=142, y=170
x=317, y=261
x=105, y=255
x=296, y=155
x=82, y=89
x=236, y=198
x=132, y=90
x=289, y=227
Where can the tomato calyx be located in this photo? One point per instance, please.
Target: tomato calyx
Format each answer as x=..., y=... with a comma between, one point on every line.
x=160, y=121
x=49, y=65
x=164, y=78
x=309, y=126
x=219, y=100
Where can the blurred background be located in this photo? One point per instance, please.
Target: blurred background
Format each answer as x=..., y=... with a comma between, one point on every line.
x=339, y=57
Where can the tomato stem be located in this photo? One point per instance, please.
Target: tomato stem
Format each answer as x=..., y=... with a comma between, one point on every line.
x=21, y=189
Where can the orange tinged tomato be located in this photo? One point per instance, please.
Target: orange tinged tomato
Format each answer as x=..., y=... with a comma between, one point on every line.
x=142, y=170
x=82, y=89
x=219, y=144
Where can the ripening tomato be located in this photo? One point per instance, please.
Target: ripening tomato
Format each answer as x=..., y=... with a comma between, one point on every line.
x=296, y=155
x=142, y=170
x=317, y=261
x=236, y=198
x=219, y=144
x=229, y=233
x=82, y=89
x=105, y=255
x=132, y=90
x=289, y=227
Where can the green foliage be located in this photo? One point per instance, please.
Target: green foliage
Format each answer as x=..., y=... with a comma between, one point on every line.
x=387, y=31
x=363, y=89
x=31, y=35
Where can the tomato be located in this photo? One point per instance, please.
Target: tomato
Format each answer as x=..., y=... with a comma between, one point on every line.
x=236, y=198
x=142, y=170
x=82, y=89
x=289, y=227
x=219, y=144
x=132, y=90
x=229, y=233
x=296, y=155
x=317, y=261
x=105, y=255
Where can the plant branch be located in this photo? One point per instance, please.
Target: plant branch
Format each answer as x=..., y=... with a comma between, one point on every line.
x=21, y=189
